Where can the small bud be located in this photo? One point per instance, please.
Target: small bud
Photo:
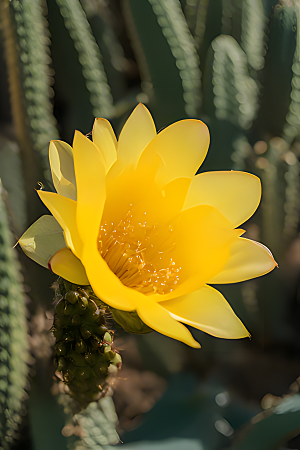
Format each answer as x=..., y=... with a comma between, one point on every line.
x=107, y=337
x=61, y=349
x=61, y=364
x=116, y=359
x=82, y=373
x=60, y=307
x=91, y=358
x=101, y=330
x=81, y=305
x=100, y=368
x=80, y=346
x=86, y=333
x=69, y=309
x=76, y=320
x=72, y=297
x=77, y=359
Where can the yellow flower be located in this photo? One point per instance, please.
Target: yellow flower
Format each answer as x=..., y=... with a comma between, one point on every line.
x=131, y=219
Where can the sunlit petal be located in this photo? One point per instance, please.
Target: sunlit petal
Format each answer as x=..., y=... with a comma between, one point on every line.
x=207, y=310
x=182, y=147
x=64, y=211
x=136, y=134
x=106, y=284
x=158, y=318
x=248, y=259
x=90, y=176
x=42, y=240
x=67, y=266
x=62, y=169
x=235, y=194
x=104, y=138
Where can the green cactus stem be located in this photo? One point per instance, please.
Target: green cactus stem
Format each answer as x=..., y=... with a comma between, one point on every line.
x=13, y=337
x=89, y=57
x=170, y=55
x=84, y=350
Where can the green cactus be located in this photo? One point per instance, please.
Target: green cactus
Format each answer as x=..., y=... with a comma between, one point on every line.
x=276, y=77
x=89, y=57
x=84, y=351
x=27, y=54
x=169, y=61
x=13, y=337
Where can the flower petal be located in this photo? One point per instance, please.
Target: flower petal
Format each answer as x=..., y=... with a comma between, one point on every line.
x=136, y=134
x=249, y=259
x=159, y=319
x=104, y=138
x=182, y=147
x=90, y=176
x=105, y=283
x=203, y=238
x=62, y=169
x=64, y=211
x=207, y=310
x=235, y=194
x=42, y=240
x=67, y=266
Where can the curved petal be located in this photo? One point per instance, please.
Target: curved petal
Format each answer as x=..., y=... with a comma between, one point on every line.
x=159, y=319
x=90, y=176
x=235, y=194
x=106, y=284
x=64, y=211
x=136, y=134
x=42, y=240
x=104, y=138
x=182, y=147
x=207, y=310
x=249, y=259
x=62, y=169
x=67, y=266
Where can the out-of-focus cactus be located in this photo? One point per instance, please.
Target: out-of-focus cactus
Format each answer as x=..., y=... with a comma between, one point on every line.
x=84, y=349
x=89, y=57
x=168, y=61
x=13, y=337
x=27, y=56
x=11, y=174
x=234, y=91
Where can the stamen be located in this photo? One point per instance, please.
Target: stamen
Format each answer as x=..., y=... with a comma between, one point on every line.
x=140, y=255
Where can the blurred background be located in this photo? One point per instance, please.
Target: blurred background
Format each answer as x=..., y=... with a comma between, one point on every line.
x=235, y=64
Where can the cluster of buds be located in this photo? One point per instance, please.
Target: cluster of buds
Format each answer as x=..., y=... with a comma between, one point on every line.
x=84, y=350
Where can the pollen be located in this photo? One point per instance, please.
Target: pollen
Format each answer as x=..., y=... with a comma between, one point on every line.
x=139, y=254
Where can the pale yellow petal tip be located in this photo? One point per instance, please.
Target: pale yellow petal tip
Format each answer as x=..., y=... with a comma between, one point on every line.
x=195, y=344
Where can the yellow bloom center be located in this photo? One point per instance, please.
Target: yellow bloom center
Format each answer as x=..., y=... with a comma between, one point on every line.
x=140, y=254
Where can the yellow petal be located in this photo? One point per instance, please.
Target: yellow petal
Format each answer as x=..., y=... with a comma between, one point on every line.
x=105, y=283
x=42, y=240
x=207, y=310
x=235, y=194
x=203, y=239
x=248, y=259
x=104, y=138
x=62, y=169
x=136, y=134
x=182, y=147
x=64, y=211
x=67, y=266
x=90, y=176
x=159, y=319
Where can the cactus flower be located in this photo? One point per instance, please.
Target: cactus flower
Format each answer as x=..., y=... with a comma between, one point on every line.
x=131, y=219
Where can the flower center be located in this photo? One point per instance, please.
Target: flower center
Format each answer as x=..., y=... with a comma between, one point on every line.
x=140, y=254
